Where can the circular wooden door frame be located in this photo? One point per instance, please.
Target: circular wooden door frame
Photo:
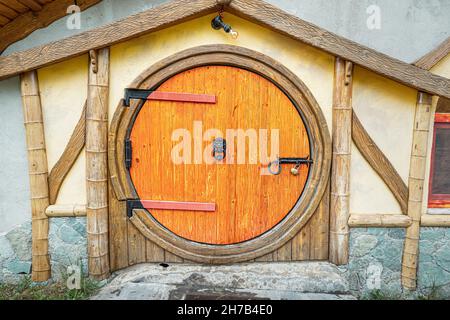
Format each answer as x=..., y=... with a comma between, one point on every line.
x=292, y=86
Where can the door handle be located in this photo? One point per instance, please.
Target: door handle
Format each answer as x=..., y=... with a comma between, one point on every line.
x=280, y=161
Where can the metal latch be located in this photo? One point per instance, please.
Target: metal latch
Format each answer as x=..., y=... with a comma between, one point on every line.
x=296, y=161
x=219, y=149
x=128, y=154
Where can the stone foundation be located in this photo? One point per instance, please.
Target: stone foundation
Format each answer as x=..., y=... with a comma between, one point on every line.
x=376, y=257
x=374, y=264
x=67, y=246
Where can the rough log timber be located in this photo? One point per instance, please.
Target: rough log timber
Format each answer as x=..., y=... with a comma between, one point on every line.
x=379, y=221
x=66, y=210
x=340, y=170
x=416, y=184
x=38, y=172
x=97, y=164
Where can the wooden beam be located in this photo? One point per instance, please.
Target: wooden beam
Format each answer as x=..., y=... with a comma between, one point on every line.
x=66, y=210
x=257, y=11
x=416, y=184
x=276, y=19
x=30, y=21
x=73, y=149
x=435, y=220
x=97, y=165
x=340, y=168
x=380, y=163
x=136, y=25
x=379, y=221
x=38, y=172
x=433, y=57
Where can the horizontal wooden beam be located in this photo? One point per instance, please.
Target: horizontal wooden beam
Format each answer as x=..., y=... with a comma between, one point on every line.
x=178, y=205
x=274, y=18
x=435, y=220
x=66, y=210
x=136, y=25
x=379, y=220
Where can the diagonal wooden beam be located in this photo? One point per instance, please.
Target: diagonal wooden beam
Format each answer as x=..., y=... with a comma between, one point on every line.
x=380, y=163
x=433, y=57
x=276, y=19
x=73, y=149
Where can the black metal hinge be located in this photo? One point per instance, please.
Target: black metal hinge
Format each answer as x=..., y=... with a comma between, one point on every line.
x=128, y=153
x=131, y=205
x=140, y=94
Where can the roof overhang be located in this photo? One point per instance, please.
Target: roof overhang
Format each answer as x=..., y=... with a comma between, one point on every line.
x=256, y=11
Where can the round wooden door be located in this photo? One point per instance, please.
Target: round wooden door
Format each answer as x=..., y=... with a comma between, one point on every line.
x=205, y=198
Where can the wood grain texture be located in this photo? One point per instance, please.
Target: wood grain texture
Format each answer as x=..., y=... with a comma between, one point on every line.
x=38, y=174
x=97, y=166
x=417, y=173
x=68, y=158
x=136, y=25
x=380, y=163
x=274, y=18
x=24, y=24
x=433, y=57
x=246, y=101
x=313, y=117
x=379, y=221
x=340, y=169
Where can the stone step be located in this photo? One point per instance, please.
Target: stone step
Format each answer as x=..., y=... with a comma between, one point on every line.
x=293, y=281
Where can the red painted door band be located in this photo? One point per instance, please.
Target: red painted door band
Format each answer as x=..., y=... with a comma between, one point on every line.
x=182, y=97
x=177, y=205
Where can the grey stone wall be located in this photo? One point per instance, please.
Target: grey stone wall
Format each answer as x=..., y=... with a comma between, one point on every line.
x=376, y=257
x=68, y=246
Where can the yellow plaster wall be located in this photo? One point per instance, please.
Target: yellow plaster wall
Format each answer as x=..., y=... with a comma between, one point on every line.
x=386, y=109
x=63, y=88
x=442, y=68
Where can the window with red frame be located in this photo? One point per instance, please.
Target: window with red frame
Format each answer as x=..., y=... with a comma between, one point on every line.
x=439, y=189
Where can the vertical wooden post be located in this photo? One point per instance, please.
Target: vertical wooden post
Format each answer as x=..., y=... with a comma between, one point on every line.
x=415, y=186
x=340, y=173
x=38, y=172
x=97, y=164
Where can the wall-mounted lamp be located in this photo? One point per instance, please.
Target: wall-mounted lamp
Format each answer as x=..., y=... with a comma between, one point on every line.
x=217, y=24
